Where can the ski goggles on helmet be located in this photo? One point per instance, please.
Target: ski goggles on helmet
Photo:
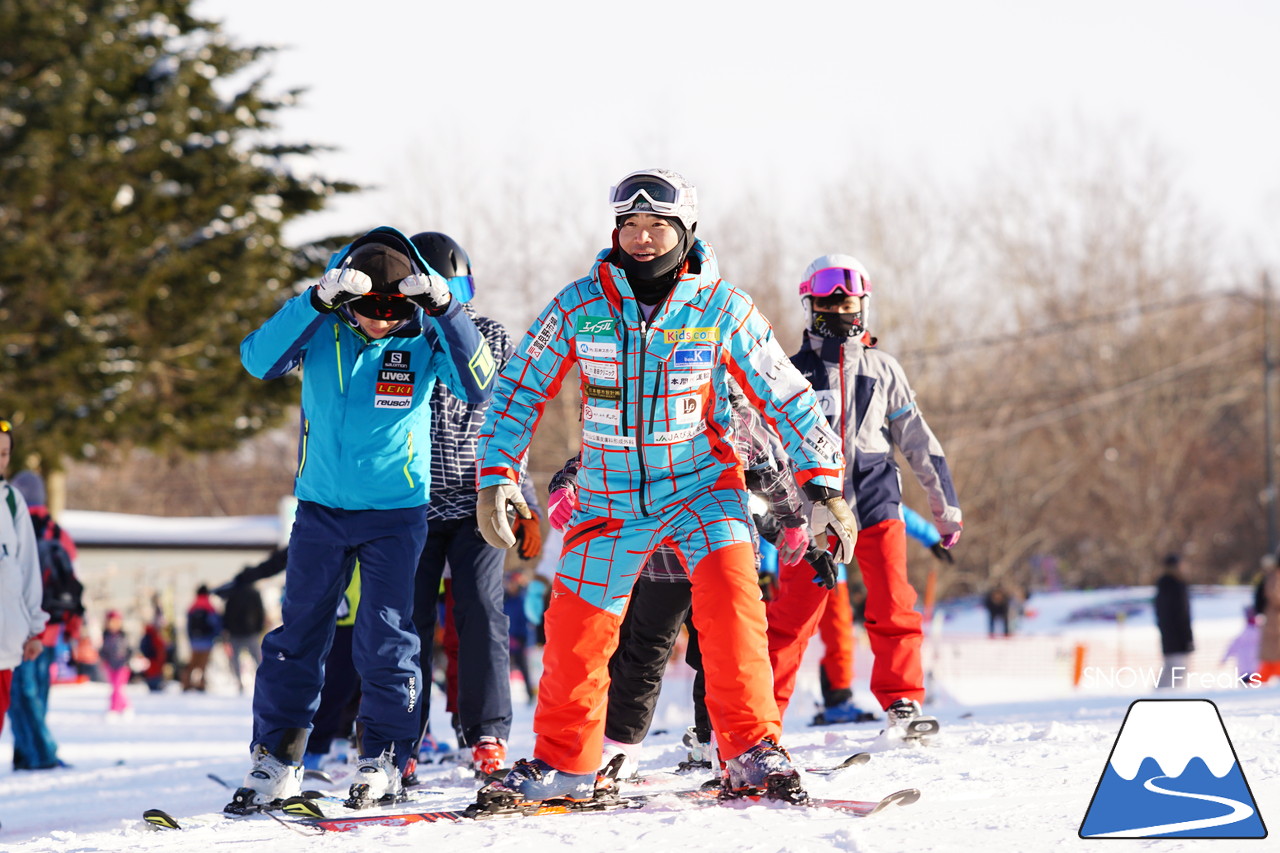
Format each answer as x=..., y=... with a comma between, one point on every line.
x=463, y=287
x=648, y=193
x=835, y=280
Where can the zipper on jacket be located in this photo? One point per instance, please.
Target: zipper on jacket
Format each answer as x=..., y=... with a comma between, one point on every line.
x=578, y=536
x=657, y=390
x=408, y=476
x=644, y=346
x=302, y=457
x=337, y=354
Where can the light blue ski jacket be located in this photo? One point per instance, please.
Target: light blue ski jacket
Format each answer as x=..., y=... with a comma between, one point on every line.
x=366, y=422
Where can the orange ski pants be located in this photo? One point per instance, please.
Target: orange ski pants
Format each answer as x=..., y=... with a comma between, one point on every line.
x=893, y=625
x=599, y=562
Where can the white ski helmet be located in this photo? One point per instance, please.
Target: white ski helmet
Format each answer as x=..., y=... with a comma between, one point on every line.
x=661, y=192
x=836, y=274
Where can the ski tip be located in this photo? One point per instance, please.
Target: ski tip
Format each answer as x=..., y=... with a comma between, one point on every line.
x=318, y=776
x=160, y=819
x=303, y=806
x=904, y=797
x=856, y=759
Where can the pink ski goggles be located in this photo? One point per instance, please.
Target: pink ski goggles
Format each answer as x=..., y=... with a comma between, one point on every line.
x=833, y=280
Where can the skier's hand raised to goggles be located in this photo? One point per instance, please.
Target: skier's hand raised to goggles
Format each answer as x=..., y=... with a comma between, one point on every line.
x=491, y=513
x=833, y=518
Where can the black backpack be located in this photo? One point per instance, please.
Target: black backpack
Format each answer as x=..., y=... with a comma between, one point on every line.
x=200, y=624
x=63, y=592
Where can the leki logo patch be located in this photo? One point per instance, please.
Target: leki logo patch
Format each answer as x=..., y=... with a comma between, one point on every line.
x=1173, y=773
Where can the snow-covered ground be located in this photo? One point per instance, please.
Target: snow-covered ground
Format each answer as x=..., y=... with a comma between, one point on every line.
x=1019, y=757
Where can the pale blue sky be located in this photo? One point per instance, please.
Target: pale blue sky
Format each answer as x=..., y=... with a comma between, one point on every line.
x=781, y=95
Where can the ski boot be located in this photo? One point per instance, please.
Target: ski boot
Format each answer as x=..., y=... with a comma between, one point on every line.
x=765, y=770
x=379, y=781
x=529, y=783
x=701, y=754
x=269, y=782
x=905, y=718
x=628, y=752
x=487, y=756
x=844, y=712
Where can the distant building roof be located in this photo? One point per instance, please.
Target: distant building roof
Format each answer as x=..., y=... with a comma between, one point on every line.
x=117, y=530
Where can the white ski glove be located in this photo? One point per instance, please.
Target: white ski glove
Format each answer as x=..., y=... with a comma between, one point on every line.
x=340, y=285
x=491, y=513
x=832, y=517
x=428, y=292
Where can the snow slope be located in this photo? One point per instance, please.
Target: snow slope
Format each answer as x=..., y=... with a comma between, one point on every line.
x=1012, y=775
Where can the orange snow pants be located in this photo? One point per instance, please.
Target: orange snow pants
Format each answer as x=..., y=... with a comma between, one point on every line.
x=835, y=627
x=599, y=563
x=892, y=623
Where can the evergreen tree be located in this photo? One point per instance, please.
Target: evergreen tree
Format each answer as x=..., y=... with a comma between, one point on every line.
x=141, y=211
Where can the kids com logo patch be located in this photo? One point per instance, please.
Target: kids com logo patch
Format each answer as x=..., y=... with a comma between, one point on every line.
x=1173, y=773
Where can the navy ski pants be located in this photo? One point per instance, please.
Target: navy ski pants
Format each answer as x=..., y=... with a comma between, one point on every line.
x=384, y=644
x=484, y=667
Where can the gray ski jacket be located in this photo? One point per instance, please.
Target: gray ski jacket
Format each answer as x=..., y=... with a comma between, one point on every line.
x=866, y=398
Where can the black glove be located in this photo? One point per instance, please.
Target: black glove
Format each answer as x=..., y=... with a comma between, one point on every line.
x=942, y=553
x=823, y=565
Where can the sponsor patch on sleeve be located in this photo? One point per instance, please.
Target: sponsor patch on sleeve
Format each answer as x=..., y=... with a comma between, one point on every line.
x=482, y=365
x=822, y=442
x=546, y=332
x=772, y=363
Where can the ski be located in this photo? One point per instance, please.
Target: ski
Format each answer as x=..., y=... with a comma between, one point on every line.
x=711, y=796
x=918, y=728
x=855, y=760
x=162, y=820
x=820, y=719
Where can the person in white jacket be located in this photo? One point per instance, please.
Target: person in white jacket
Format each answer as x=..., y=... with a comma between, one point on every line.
x=21, y=588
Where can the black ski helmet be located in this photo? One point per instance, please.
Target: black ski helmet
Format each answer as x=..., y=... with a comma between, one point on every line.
x=443, y=254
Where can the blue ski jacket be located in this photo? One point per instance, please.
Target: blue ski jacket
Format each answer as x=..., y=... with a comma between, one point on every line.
x=366, y=423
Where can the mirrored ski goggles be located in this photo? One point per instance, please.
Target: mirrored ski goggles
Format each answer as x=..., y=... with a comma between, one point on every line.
x=384, y=306
x=463, y=287
x=5, y=426
x=661, y=197
x=834, y=280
